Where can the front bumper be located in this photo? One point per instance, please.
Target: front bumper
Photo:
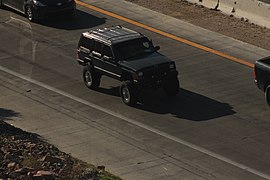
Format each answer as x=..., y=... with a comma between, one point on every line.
x=155, y=80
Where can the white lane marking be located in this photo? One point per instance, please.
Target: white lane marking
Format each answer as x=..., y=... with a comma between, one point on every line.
x=141, y=125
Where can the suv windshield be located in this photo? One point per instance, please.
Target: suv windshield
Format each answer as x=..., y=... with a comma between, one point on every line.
x=133, y=48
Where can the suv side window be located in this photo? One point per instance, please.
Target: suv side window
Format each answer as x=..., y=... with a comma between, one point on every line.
x=97, y=47
x=107, y=51
x=87, y=43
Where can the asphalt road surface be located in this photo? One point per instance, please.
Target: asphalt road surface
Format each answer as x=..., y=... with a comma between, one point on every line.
x=216, y=128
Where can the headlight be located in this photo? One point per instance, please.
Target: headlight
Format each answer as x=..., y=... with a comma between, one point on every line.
x=38, y=3
x=172, y=66
x=137, y=76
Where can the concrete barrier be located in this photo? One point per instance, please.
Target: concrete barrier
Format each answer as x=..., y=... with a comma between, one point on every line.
x=253, y=11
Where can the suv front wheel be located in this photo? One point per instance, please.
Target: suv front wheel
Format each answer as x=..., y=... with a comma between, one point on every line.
x=91, y=79
x=128, y=93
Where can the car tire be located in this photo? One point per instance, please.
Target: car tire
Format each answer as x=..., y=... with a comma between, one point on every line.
x=171, y=86
x=267, y=95
x=29, y=13
x=128, y=93
x=91, y=78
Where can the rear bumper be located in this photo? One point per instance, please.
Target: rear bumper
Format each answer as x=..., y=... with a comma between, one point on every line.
x=259, y=84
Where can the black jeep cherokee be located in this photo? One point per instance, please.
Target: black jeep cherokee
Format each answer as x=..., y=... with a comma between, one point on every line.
x=128, y=56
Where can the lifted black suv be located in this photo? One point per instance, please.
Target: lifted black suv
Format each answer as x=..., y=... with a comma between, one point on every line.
x=128, y=56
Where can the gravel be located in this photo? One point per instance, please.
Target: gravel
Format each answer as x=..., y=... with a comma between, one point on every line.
x=25, y=155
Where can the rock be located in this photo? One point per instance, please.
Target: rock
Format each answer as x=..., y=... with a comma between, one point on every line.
x=30, y=145
x=4, y=149
x=52, y=159
x=14, y=175
x=8, y=156
x=102, y=168
x=30, y=175
x=18, y=166
x=24, y=170
x=11, y=165
x=43, y=175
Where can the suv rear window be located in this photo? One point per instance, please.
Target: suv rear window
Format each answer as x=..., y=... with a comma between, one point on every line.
x=107, y=51
x=86, y=43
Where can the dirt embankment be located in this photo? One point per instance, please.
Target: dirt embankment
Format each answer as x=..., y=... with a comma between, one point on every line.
x=25, y=155
x=212, y=20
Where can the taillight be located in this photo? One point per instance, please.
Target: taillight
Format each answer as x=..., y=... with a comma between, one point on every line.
x=254, y=72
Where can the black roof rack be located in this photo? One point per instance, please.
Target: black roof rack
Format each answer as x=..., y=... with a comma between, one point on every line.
x=114, y=34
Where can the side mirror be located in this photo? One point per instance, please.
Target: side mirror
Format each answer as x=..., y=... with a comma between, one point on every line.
x=157, y=48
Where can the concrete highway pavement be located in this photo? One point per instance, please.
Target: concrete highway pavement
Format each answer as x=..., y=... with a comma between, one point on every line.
x=216, y=128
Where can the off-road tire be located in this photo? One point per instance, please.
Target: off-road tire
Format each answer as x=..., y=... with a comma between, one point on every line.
x=128, y=93
x=91, y=78
x=171, y=86
x=267, y=95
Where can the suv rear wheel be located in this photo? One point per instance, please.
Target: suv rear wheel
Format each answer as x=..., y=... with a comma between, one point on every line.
x=91, y=79
x=128, y=93
x=267, y=95
x=171, y=86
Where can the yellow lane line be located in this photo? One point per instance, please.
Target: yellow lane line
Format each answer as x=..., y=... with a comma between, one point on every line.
x=166, y=34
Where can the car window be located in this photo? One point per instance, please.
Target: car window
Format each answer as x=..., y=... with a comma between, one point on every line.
x=87, y=43
x=107, y=51
x=97, y=46
x=129, y=49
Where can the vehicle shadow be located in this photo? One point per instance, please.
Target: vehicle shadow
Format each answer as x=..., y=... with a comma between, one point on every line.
x=7, y=114
x=9, y=130
x=113, y=91
x=186, y=105
x=81, y=20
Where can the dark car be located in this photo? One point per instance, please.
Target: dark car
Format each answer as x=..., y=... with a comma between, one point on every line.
x=262, y=76
x=38, y=9
x=127, y=56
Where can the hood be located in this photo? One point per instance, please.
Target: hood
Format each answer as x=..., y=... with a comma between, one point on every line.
x=141, y=63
